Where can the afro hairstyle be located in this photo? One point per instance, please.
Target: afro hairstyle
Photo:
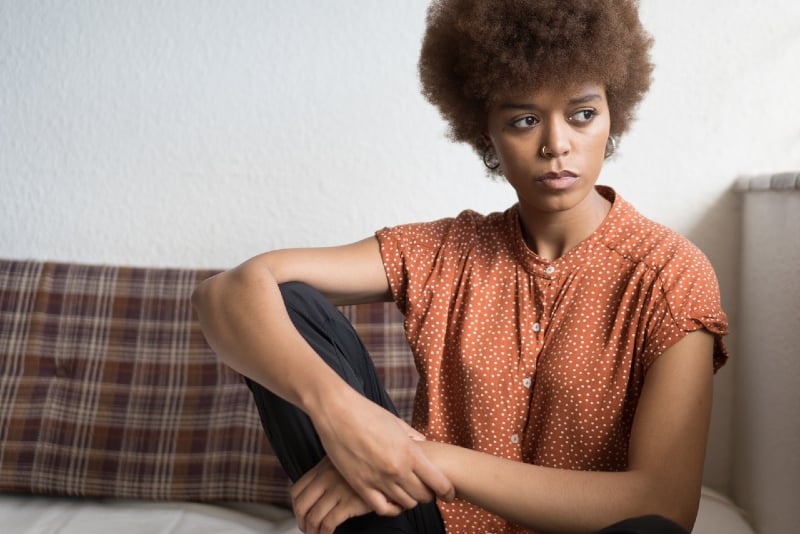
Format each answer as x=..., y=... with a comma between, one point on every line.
x=475, y=50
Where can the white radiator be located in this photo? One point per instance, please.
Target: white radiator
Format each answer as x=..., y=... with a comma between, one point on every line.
x=766, y=427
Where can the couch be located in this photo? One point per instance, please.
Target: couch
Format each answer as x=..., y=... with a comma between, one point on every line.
x=115, y=413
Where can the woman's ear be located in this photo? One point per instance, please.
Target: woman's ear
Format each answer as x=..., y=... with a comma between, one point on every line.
x=490, y=158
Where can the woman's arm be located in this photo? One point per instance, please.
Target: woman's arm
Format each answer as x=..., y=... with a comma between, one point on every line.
x=667, y=450
x=244, y=319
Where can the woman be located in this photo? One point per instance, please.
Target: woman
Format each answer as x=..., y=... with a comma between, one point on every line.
x=566, y=346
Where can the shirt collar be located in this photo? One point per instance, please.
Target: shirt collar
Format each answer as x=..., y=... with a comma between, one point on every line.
x=553, y=269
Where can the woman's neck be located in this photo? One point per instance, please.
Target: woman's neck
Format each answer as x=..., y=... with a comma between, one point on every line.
x=551, y=235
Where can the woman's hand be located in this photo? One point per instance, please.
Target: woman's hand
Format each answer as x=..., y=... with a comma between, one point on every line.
x=322, y=500
x=378, y=454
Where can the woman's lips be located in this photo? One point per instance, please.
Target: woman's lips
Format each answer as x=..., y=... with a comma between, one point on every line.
x=558, y=180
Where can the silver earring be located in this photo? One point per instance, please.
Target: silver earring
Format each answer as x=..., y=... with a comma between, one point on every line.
x=490, y=159
x=611, y=146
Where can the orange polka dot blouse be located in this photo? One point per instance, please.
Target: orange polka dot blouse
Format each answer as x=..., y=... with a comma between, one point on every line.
x=535, y=360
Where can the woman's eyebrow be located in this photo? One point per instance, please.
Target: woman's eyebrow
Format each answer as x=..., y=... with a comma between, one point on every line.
x=585, y=99
x=517, y=105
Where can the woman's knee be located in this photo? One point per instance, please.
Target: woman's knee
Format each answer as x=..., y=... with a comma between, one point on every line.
x=298, y=292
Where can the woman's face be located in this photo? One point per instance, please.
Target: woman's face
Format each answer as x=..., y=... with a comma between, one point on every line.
x=551, y=144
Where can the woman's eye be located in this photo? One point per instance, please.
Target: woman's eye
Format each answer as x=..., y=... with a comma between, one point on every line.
x=584, y=115
x=528, y=121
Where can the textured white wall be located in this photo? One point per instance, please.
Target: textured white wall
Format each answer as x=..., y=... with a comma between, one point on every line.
x=200, y=132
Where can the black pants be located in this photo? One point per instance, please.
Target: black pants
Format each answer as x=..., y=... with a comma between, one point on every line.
x=297, y=445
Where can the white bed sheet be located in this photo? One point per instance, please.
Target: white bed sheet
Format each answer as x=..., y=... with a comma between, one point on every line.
x=50, y=515
x=719, y=515
x=21, y=514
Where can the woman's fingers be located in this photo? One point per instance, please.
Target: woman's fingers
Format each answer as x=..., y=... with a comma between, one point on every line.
x=322, y=500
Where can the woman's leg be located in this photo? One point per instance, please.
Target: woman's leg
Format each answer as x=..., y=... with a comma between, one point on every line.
x=331, y=335
x=289, y=430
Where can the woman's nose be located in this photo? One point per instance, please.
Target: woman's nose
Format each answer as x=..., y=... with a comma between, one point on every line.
x=555, y=142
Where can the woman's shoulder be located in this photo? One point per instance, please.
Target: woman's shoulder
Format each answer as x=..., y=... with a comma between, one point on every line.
x=644, y=241
x=468, y=226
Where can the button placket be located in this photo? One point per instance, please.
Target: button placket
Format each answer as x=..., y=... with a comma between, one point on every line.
x=539, y=293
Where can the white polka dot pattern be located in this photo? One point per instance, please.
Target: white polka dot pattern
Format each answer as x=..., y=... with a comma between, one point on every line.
x=535, y=360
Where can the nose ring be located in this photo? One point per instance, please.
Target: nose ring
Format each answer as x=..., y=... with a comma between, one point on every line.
x=544, y=152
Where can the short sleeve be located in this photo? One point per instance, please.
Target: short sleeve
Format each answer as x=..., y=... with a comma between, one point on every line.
x=685, y=298
x=391, y=241
x=409, y=252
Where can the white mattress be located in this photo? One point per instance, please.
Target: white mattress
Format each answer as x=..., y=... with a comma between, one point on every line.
x=718, y=515
x=50, y=515
x=20, y=514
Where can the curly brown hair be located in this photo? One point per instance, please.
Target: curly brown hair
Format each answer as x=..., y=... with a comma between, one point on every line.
x=475, y=50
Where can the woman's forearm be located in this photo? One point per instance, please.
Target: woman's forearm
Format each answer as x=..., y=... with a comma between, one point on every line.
x=665, y=459
x=547, y=499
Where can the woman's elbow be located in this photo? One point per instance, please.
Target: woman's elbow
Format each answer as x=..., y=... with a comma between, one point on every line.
x=220, y=295
x=679, y=507
x=214, y=302
x=684, y=514
x=202, y=296
x=212, y=295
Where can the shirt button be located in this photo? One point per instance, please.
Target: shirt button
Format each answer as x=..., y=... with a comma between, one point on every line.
x=549, y=269
x=526, y=382
x=537, y=327
x=514, y=438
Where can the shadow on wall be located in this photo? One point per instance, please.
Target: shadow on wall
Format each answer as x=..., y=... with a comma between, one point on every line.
x=718, y=234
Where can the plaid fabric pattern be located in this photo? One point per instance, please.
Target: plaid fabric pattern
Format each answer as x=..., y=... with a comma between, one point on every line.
x=108, y=388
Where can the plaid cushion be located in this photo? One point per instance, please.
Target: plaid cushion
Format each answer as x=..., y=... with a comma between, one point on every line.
x=108, y=388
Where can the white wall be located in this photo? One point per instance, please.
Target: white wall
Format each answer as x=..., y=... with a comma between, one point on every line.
x=200, y=132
